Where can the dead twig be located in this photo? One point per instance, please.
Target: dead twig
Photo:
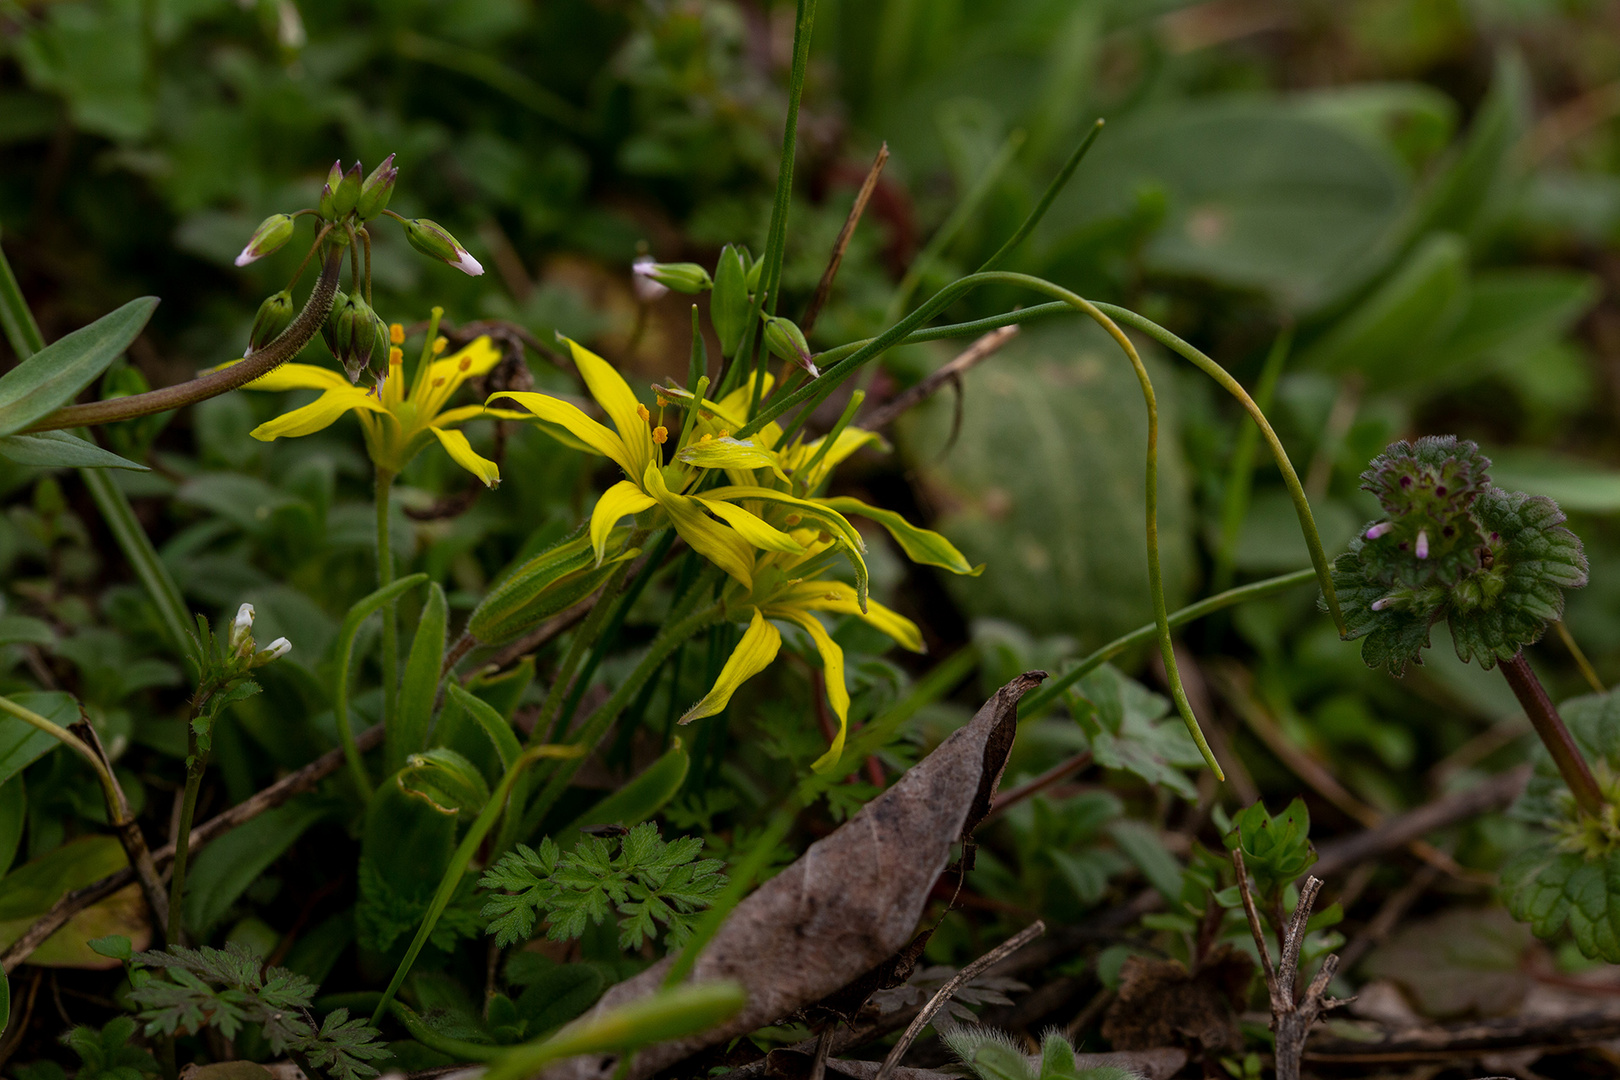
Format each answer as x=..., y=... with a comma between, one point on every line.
x=1291, y=1017
x=981, y=350
x=1470, y=1039
x=944, y=993
x=271, y=797
x=127, y=828
x=862, y=197
x=1061, y=771
x=1401, y=829
x=537, y=637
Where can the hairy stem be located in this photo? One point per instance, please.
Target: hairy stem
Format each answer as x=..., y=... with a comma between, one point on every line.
x=278, y=352
x=1554, y=735
x=196, y=762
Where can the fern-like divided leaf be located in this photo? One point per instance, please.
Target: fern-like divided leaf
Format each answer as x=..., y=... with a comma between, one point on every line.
x=648, y=882
x=192, y=989
x=1493, y=565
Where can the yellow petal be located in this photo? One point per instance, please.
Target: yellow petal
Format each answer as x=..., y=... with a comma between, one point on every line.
x=832, y=663
x=752, y=529
x=830, y=518
x=481, y=352
x=753, y=654
x=298, y=377
x=724, y=547
x=317, y=415
x=616, y=502
x=463, y=454
x=588, y=431
x=836, y=596
x=611, y=392
x=461, y=414
x=737, y=402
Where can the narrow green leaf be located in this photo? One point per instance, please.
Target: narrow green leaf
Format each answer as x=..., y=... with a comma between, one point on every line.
x=447, y=780
x=345, y=650
x=54, y=376
x=226, y=867
x=920, y=545
x=59, y=450
x=494, y=724
x=636, y=801
x=143, y=558
x=408, y=732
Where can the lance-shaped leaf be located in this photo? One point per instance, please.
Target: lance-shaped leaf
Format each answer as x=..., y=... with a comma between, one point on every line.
x=54, y=376
x=532, y=592
x=448, y=781
x=59, y=450
x=920, y=545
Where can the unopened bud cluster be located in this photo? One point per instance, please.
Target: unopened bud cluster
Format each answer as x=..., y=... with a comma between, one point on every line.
x=241, y=653
x=735, y=281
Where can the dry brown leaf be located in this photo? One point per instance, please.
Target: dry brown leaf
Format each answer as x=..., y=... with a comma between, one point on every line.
x=848, y=903
x=1161, y=1004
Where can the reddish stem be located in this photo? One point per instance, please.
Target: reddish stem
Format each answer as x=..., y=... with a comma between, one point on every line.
x=1554, y=735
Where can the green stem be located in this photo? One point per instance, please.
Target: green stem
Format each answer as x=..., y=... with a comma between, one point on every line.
x=109, y=786
x=597, y=724
x=1240, y=480
x=385, y=577
x=1049, y=691
x=358, y=614
x=584, y=638
x=1296, y=491
x=459, y=862
x=197, y=761
x=1059, y=182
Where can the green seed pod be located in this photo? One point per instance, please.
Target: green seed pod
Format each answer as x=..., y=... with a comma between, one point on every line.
x=728, y=305
x=329, y=327
x=346, y=196
x=275, y=315
x=355, y=335
x=786, y=340
x=327, y=207
x=689, y=278
x=272, y=232
x=754, y=266
x=435, y=241
x=376, y=191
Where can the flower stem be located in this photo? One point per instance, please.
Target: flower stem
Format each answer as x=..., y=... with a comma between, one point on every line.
x=196, y=762
x=216, y=382
x=1554, y=735
x=385, y=577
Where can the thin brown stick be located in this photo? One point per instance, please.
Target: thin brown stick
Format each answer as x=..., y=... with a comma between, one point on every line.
x=1062, y=770
x=220, y=380
x=1471, y=1038
x=944, y=993
x=862, y=197
x=271, y=797
x=981, y=349
x=1401, y=829
x=127, y=828
x=1255, y=928
x=1389, y=915
x=1555, y=736
x=538, y=636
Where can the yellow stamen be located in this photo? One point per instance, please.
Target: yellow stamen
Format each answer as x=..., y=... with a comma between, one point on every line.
x=440, y=343
x=662, y=400
x=793, y=519
x=396, y=355
x=725, y=433
x=396, y=334
x=466, y=363
x=825, y=537
x=438, y=382
x=706, y=438
x=660, y=435
x=641, y=411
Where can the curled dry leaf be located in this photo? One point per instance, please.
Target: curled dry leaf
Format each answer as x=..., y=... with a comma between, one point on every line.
x=848, y=903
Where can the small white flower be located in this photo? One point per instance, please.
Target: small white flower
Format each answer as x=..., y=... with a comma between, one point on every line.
x=1422, y=548
x=1379, y=529
x=647, y=289
x=468, y=265
x=242, y=629
x=274, y=651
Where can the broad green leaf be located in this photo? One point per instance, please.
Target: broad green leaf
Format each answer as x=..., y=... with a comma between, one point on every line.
x=1557, y=891
x=23, y=744
x=1259, y=195
x=1509, y=313
x=25, y=629
x=1062, y=401
x=225, y=868
x=1389, y=336
x=95, y=57
x=13, y=816
x=494, y=725
x=636, y=801
x=1466, y=195
x=59, y=450
x=29, y=891
x=559, y=995
x=1141, y=844
x=408, y=733
x=54, y=376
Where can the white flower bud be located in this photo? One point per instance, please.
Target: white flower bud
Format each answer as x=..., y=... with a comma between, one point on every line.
x=274, y=651
x=242, y=629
